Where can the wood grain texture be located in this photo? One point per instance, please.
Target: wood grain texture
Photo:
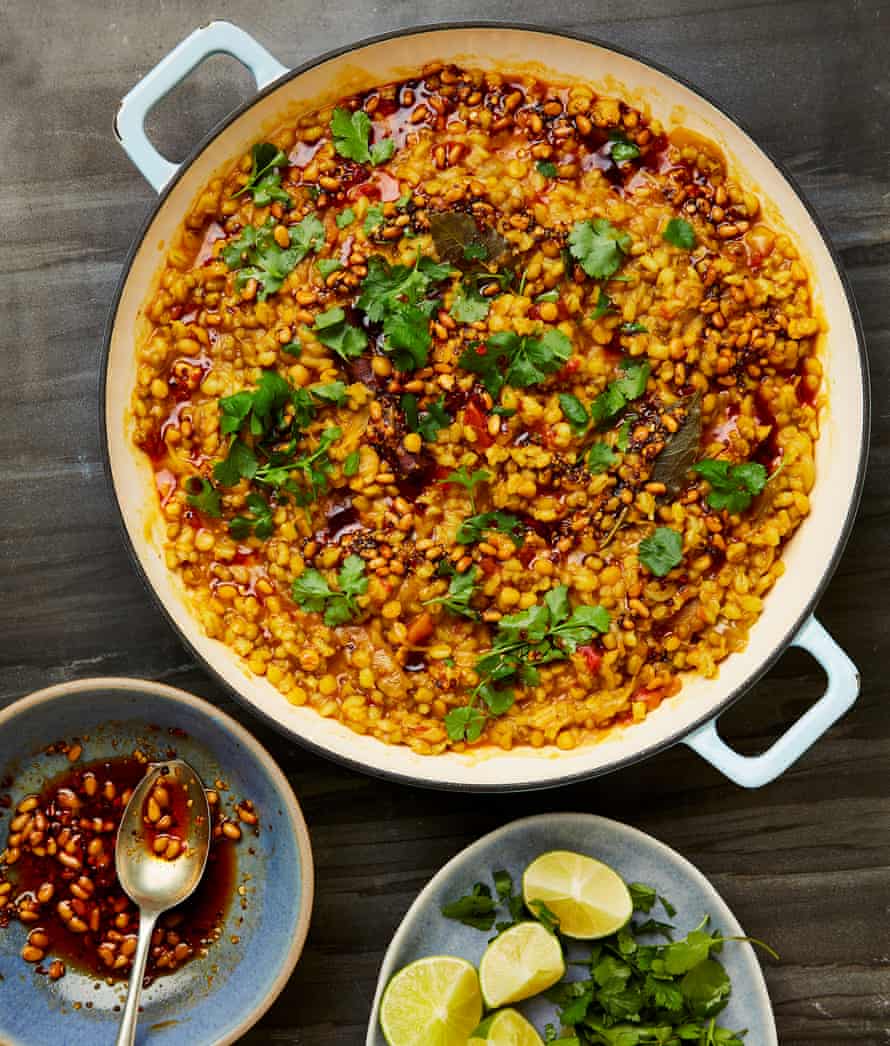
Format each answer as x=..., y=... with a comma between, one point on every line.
x=804, y=862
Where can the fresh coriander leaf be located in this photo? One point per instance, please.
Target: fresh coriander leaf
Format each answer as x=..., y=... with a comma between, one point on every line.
x=706, y=988
x=654, y=926
x=428, y=422
x=350, y=465
x=732, y=486
x=469, y=306
x=629, y=385
x=551, y=296
x=239, y=462
x=407, y=336
x=333, y=392
x=312, y=469
x=623, y=150
x=293, y=348
x=643, y=897
x=662, y=551
x=598, y=247
x=264, y=182
x=345, y=218
x=668, y=907
x=395, y=295
x=328, y=265
x=373, y=218
x=312, y=592
x=351, y=132
x=576, y=1010
x=461, y=590
x=547, y=918
x=503, y=412
x=603, y=304
x=535, y=358
x=680, y=233
x=541, y=633
x=387, y=287
x=574, y=411
x=467, y=479
x=256, y=254
x=476, y=909
x=258, y=522
x=203, y=496
x=632, y=382
x=503, y=883
x=333, y=331
x=600, y=458
x=547, y=168
x=633, y=328
x=466, y=724
x=680, y=957
x=610, y=402
x=382, y=151
x=473, y=528
x=528, y=360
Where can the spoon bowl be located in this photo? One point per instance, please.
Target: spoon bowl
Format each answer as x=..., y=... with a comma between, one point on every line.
x=159, y=856
x=151, y=880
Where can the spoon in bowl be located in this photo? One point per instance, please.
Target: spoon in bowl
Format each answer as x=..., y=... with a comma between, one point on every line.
x=160, y=856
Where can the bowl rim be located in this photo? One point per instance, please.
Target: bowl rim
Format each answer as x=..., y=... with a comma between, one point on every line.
x=148, y=687
x=780, y=645
x=606, y=824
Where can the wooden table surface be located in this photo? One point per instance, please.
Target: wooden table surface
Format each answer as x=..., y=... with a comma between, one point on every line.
x=804, y=862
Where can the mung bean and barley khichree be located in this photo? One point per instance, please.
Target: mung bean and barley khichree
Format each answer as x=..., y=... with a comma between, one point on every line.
x=480, y=410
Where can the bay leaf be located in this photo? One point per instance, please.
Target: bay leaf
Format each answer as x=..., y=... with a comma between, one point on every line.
x=461, y=242
x=680, y=452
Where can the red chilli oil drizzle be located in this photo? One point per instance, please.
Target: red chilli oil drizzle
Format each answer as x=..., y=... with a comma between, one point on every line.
x=196, y=922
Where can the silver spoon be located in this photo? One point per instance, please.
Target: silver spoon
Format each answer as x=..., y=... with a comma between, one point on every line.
x=156, y=882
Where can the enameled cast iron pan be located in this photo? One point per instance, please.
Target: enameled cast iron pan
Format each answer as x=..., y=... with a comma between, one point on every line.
x=810, y=557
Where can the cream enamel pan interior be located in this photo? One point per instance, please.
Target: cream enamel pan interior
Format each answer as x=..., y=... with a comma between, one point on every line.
x=811, y=555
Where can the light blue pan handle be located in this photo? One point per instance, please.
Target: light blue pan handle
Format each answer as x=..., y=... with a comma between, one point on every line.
x=215, y=38
x=839, y=696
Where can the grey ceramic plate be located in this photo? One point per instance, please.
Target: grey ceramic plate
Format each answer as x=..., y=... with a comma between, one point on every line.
x=636, y=856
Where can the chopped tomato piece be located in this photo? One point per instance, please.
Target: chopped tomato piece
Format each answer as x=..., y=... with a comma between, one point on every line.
x=476, y=419
x=592, y=656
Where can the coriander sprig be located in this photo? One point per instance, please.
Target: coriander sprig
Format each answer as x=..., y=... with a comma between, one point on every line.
x=542, y=633
x=313, y=593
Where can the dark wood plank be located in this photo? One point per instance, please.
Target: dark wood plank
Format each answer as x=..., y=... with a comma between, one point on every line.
x=803, y=862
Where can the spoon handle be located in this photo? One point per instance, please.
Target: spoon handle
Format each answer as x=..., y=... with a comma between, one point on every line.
x=126, y=1035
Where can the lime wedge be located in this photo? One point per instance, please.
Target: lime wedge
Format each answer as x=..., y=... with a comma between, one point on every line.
x=505, y=1028
x=431, y=1002
x=589, y=898
x=524, y=960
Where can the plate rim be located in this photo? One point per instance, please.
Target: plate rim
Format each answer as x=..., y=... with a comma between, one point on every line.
x=521, y=824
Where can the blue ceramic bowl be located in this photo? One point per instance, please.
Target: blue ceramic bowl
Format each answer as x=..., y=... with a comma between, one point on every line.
x=210, y=1000
x=637, y=857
